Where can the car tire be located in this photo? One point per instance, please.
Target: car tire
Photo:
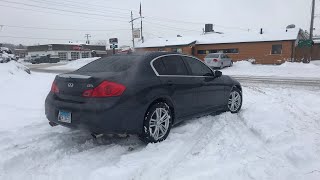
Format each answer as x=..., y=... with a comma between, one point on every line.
x=156, y=129
x=231, y=64
x=234, y=101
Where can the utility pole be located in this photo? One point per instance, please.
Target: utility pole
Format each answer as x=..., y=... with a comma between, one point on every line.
x=132, y=29
x=141, y=23
x=312, y=20
x=87, y=36
x=311, y=27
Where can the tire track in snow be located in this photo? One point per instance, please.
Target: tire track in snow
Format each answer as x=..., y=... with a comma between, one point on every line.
x=197, y=142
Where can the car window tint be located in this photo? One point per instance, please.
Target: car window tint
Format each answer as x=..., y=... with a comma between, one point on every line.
x=174, y=65
x=212, y=56
x=197, y=68
x=159, y=66
x=110, y=64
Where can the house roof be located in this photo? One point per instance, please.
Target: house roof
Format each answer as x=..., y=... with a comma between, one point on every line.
x=215, y=38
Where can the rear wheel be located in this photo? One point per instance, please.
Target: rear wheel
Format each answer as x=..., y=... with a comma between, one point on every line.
x=235, y=100
x=231, y=63
x=157, y=123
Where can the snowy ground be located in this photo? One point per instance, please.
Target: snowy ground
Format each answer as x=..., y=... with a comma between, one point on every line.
x=275, y=136
x=244, y=68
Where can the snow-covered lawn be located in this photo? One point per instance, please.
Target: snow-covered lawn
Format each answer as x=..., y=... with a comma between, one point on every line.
x=288, y=69
x=74, y=65
x=275, y=136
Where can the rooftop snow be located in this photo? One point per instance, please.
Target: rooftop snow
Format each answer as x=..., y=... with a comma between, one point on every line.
x=215, y=38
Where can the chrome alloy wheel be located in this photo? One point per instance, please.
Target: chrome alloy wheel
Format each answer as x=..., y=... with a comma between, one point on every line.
x=234, y=101
x=159, y=123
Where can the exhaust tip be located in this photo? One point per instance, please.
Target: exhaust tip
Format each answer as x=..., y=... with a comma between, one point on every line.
x=52, y=124
x=96, y=136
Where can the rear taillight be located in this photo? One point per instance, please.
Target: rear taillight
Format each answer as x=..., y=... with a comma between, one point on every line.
x=215, y=60
x=54, y=87
x=105, y=89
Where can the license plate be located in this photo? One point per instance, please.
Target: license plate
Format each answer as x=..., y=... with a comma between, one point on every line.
x=64, y=116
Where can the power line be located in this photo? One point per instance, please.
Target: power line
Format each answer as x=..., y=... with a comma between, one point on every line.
x=168, y=20
x=73, y=6
x=61, y=29
x=61, y=10
x=170, y=27
x=63, y=14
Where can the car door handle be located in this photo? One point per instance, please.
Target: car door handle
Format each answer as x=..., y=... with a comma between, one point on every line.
x=170, y=83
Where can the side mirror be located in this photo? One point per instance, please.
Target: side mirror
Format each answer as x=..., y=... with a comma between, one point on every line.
x=217, y=74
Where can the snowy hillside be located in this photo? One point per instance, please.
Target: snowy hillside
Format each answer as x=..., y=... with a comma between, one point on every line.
x=275, y=136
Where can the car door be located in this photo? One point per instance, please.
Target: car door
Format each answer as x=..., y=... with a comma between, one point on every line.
x=174, y=76
x=210, y=95
x=228, y=60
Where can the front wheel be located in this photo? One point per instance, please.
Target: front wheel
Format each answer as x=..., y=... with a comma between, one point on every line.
x=235, y=101
x=157, y=123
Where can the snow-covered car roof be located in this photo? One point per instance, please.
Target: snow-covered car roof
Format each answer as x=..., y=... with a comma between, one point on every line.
x=216, y=38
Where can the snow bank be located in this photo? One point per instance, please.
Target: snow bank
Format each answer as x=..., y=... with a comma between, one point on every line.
x=317, y=62
x=287, y=69
x=12, y=69
x=74, y=65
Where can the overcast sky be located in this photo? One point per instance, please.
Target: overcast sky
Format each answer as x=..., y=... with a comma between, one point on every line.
x=62, y=21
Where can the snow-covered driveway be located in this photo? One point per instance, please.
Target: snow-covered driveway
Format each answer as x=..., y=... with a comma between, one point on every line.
x=275, y=136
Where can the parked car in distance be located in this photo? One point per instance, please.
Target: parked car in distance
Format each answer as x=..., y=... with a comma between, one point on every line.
x=218, y=60
x=45, y=59
x=144, y=94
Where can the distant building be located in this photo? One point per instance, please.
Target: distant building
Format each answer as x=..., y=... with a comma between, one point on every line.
x=21, y=53
x=265, y=47
x=68, y=51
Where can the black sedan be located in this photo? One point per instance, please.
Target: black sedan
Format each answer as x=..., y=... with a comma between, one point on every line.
x=144, y=94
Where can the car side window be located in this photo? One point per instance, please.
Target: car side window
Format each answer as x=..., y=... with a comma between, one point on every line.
x=197, y=68
x=159, y=67
x=223, y=56
x=174, y=65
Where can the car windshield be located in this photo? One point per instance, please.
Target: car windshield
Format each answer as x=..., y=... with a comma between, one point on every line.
x=213, y=56
x=110, y=64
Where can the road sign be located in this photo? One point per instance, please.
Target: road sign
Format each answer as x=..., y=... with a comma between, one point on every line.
x=113, y=46
x=305, y=43
x=113, y=41
x=136, y=33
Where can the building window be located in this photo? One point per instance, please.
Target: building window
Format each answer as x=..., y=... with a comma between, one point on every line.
x=62, y=56
x=276, y=49
x=85, y=55
x=49, y=47
x=226, y=51
x=178, y=50
x=202, y=52
x=74, y=55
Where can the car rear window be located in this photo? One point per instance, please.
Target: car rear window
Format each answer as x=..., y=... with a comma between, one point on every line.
x=213, y=56
x=111, y=64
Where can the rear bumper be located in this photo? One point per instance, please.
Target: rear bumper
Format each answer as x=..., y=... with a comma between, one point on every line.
x=214, y=64
x=98, y=116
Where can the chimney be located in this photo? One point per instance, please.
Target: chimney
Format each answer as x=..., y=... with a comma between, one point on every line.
x=261, y=31
x=208, y=28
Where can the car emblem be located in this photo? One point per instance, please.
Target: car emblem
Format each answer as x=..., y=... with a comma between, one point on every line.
x=70, y=85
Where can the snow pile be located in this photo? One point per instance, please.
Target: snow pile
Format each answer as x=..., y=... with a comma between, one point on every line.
x=7, y=70
x=287, y=69
x=275, y=136
x=74, y=65
x=317, y=62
